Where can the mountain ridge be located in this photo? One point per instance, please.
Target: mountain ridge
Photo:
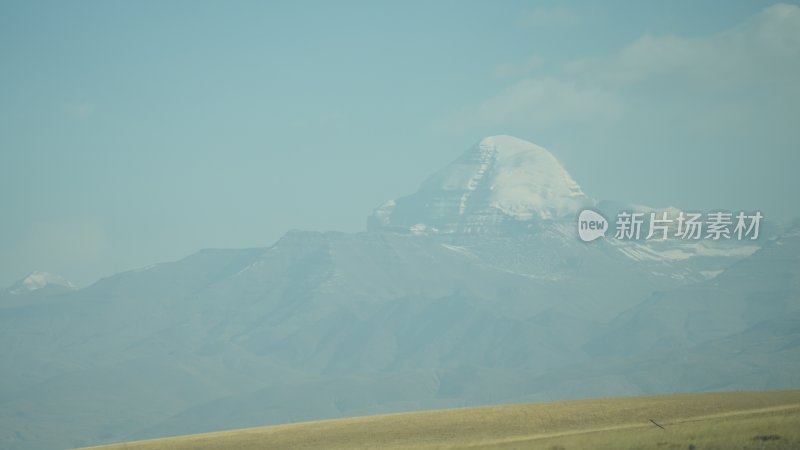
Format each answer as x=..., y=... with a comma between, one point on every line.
x=328, y=324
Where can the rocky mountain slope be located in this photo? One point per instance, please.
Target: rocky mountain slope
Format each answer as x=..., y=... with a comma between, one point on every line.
x=475, y=290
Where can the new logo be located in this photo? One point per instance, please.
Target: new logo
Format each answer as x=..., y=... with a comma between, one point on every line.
x=591, y=225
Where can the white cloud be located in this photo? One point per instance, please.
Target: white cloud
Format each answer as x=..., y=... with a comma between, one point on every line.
x=765, y=48
x=761, y=57
x=541, y=101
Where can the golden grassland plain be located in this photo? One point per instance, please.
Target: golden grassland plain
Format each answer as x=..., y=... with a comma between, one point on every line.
x=728, y=420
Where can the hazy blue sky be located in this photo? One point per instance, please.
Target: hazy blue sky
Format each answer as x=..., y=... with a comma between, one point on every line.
x=139, y=132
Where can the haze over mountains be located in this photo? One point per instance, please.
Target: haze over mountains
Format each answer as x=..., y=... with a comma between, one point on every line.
x=474, y=290
x=501, y=180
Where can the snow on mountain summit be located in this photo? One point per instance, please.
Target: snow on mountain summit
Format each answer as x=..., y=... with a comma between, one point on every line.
x=38, y=280
x=525, y=180
x=502, y=181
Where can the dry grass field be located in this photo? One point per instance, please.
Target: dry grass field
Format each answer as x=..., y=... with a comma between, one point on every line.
x=734, y=420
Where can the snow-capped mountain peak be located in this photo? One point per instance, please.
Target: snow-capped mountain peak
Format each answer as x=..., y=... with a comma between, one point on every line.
x=38, y=280
x=500, y=180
